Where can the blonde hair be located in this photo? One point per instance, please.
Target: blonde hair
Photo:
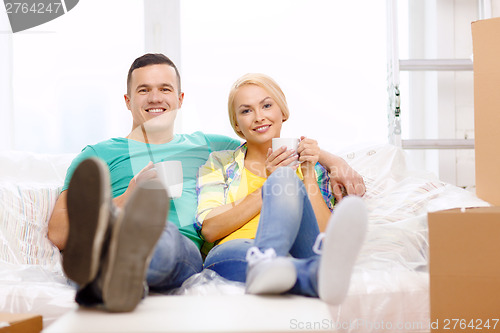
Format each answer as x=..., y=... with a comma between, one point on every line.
x=266, y=83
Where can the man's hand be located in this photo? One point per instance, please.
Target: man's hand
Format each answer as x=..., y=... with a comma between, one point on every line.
x=345, y=180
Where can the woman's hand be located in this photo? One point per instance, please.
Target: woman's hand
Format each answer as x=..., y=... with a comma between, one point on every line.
x=279, y=158
x=308, y=151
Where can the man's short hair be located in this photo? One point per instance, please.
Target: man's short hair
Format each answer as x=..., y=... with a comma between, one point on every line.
x=152, y=59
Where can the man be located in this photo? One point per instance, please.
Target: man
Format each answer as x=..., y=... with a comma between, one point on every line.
x=112, y=245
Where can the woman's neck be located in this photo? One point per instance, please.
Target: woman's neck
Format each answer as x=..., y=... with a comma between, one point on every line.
x=255, y=158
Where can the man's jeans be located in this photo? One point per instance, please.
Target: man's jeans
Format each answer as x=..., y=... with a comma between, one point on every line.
x=175, y=259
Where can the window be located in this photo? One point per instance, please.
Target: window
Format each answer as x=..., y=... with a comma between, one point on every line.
x=68, y=76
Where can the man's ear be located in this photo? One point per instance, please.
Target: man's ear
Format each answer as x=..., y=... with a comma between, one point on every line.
x=181, y=99
x=127, y=101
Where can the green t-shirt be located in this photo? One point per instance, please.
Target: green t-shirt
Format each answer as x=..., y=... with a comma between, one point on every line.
x=125, y=158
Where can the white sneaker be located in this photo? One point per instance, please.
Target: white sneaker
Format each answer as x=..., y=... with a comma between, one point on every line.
x=267, y=273
x=341, y=244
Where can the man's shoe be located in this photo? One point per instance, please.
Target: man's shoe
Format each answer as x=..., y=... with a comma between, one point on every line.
x=269, y=274
x=89, y=205
x=344, y=237
x=133, y=239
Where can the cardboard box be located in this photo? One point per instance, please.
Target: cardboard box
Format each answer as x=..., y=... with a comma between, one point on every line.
x=464, y=265
x=486, y=49
x=464, y=258
x=20, y=323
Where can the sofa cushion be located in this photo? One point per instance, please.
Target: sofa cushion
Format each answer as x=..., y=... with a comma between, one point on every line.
x=24, y=213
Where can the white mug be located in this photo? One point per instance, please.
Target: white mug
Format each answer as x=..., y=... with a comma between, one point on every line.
x=289, y=143
x=170, y=174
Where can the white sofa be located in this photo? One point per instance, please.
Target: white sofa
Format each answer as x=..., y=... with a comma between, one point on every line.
x=390, y=280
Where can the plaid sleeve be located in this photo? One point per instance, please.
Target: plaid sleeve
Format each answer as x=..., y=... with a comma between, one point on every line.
x=324, y=184
x=210, y=187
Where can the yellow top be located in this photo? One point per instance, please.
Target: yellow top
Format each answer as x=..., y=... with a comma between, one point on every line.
x=249, y=183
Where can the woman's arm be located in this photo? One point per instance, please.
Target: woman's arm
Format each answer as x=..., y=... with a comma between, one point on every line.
x=223, y=220
x=309, y=154
x=215, y=217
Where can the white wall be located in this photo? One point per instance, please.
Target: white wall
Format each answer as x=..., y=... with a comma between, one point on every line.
x=6, y=107
x=328, y=56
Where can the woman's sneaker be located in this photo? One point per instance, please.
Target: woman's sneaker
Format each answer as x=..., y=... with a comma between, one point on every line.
x=342, y=241
x=269, y=274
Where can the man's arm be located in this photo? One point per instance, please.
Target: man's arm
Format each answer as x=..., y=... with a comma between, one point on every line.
x=345, y=180
x=59, y=223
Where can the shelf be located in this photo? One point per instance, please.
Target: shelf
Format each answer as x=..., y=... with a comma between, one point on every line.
x=438, y=144
x=436, y=65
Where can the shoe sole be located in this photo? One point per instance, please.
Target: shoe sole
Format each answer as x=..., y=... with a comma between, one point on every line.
x=344, y=237
x=134, y=237
x=88, y=203
x=273, y=278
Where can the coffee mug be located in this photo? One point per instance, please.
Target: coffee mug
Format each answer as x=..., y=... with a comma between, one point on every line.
x=170, y=174
x=289, y=143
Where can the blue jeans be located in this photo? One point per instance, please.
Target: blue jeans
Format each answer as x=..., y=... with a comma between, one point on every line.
x=287, y=224
x=174, y=260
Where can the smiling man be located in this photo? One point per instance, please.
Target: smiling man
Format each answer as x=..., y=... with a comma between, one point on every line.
x=110, y=218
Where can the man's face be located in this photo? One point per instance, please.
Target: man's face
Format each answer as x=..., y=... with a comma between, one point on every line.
x=153, y=92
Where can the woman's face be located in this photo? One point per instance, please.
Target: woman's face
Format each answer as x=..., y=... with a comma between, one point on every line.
x=258, y=116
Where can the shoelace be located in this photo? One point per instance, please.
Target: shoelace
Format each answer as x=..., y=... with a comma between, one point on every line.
x=254, y=255
x=318, y=244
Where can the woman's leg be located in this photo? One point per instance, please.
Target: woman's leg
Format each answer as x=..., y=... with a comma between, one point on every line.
x=228, y=259
x=287, y=221
x=328, y=276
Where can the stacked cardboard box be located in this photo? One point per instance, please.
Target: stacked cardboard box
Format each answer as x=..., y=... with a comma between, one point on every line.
x=20, y=323
x=465, y=243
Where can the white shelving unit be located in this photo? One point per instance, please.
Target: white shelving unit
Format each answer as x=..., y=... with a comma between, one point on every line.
x=396, y=65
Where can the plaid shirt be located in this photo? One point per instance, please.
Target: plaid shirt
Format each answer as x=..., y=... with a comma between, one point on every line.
x=219, y=179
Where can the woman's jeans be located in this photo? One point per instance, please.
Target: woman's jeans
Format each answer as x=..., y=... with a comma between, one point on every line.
x=287, y=224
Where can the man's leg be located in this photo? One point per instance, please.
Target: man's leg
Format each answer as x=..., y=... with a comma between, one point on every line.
x=175, y=259
x=133, y=240
x=89, y=210
x=126, y=242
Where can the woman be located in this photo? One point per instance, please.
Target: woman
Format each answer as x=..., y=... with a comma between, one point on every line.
x=261, y=210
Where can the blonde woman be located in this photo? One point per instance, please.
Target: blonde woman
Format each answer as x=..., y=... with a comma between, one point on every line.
x=265, y=213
